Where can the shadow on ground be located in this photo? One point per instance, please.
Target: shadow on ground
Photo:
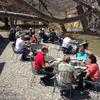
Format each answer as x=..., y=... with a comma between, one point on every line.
x=2, y=67
x=76, y=94
x=3, y=43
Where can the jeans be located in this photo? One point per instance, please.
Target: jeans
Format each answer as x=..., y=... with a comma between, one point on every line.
x=24, y=53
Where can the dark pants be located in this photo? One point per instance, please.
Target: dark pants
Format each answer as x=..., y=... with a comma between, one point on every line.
x=45, y=38
x=47, y=71
x=80, y=83
x=24, y=53
x=67, y=50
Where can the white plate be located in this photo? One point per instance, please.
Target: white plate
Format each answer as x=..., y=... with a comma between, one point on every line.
x=83, y=67
x=76, y=67
x=59, y=59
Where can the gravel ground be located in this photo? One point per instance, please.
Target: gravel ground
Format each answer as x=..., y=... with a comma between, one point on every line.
x=17, y=82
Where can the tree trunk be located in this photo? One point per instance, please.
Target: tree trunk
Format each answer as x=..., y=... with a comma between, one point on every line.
x=15, y=22
x=11, y=22
x=63, y=28
x=83, y=21
x=6, y=22
x=23, y=4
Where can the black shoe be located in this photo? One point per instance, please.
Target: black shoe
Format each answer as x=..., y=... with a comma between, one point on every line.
x=78, y=88
x=42, y=83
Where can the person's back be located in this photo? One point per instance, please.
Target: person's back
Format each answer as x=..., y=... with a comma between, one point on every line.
x=66, y=42
x=12, y=34
x=65, y=72
x=53, y=36
x=33, y=39
x=93, y=69
x=19, y=44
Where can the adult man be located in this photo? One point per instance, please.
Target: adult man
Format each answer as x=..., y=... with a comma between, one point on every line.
x=31, y=32
x=53, y=36
x=66, y=71
x=67, y=44
x=43, y=35
x=41, y=66
x=20, y=43
x=65, y=74
x=20, y=47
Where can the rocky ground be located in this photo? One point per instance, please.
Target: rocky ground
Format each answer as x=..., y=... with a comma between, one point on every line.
x=17, y=81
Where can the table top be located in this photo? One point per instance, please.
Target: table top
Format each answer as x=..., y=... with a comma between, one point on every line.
x=49, y=58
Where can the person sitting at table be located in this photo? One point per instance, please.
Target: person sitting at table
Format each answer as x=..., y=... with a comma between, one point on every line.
x=66, y=73
x=53, y=36
x=43, y=35
x=33, y=39
x=18, y=29
x=41, y=66
x=60, y=38
x=20, y=46
x=33, y=42
x=81, y=55
x=31, y=32
x=66, y=45
x=12, y=34
x=92, y=73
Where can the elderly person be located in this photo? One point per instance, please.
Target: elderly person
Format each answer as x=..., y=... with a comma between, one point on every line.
x=66, y=73
x=92, y=73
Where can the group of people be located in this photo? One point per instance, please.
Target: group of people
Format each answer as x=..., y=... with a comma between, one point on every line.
x=67, y=72
x=48, y=36
x=22, y=40
x=67, y=45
